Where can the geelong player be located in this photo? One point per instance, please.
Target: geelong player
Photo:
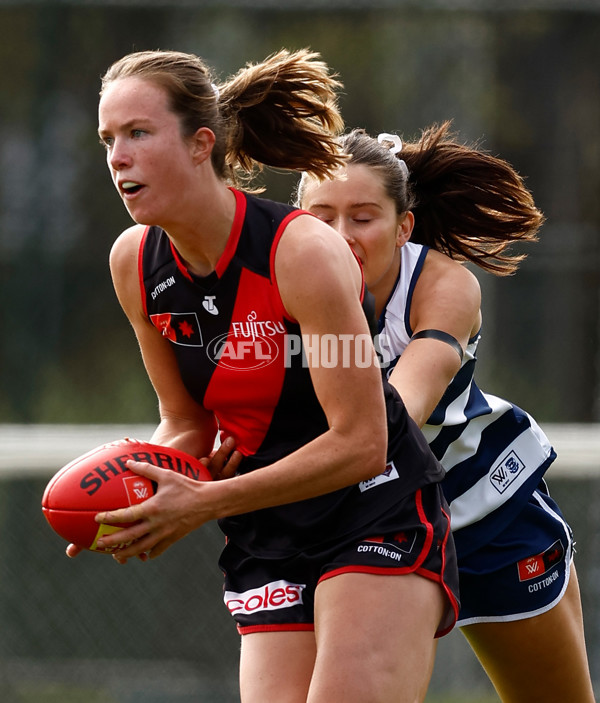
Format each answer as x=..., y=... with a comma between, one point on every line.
x=407, y=212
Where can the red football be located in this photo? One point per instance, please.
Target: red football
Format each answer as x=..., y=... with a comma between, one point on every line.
x=100, y=480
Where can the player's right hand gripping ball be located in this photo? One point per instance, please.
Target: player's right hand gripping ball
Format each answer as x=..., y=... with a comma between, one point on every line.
x=100, y=480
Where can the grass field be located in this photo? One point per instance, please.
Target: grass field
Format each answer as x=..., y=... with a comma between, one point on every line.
x=60, y=694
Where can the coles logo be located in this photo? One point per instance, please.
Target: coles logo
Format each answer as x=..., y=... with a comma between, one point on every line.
x=271, y=596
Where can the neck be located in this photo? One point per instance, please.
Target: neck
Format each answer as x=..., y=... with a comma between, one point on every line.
x=382, y=289
x=201, y=239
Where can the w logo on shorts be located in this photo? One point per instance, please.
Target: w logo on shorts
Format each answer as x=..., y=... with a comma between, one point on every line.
x=535, y=566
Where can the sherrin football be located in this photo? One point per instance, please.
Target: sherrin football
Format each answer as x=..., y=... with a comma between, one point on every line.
x=100, y=480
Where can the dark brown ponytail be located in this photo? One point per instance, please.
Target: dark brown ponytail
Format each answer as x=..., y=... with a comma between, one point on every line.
x=469, y=204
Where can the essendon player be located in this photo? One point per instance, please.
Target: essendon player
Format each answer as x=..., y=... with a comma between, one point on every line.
x=215, y=283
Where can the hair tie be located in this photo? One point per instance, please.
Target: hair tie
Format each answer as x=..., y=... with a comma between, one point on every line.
x=215, y=90
x=394, y=138
x=396, y=149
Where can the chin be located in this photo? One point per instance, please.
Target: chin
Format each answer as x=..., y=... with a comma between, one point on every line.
x=140, y=218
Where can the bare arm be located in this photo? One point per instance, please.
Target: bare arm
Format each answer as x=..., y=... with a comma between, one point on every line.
x=447, y=297
x=183, y=422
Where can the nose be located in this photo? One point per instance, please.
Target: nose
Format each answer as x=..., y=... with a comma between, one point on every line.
x=341, y=228
x=119, y=157
x=345, y=231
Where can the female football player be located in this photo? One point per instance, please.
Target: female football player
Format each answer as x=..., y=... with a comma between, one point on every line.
x=412, y=214
x=250, y=316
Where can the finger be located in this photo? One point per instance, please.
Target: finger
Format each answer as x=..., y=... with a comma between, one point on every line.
x=143, y=468
x=73, y=550
x=224, y=461
x=227, y=445
x=132, y=513
x=231, y=467
x=142, y=548
x=160, y=547
x=122, y=539
x=148, y=547
x=219, y=456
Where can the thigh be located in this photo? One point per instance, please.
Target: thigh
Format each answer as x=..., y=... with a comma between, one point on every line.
x=375, y=637
x=539, y=658
x=276, y=666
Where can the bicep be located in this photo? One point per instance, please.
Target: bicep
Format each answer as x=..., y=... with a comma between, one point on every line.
x=422, y=375
x=447, y=299
x=320, y=285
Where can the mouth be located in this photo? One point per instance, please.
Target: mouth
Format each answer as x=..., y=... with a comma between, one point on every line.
x=129, y=188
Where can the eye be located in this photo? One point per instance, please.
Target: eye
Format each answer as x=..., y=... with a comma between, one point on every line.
x=325, y=218
x=106, y=142
x=324, y=214
x=137, y=133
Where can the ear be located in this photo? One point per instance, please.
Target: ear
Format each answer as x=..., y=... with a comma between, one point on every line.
x=202, y=143
x=405, y=228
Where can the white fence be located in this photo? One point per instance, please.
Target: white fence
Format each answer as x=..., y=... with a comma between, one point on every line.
x=39, y=450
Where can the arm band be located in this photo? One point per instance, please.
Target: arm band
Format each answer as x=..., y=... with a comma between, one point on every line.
x=442, y=337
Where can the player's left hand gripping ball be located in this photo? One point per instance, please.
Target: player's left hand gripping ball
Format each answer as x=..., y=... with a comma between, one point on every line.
x=100, y=480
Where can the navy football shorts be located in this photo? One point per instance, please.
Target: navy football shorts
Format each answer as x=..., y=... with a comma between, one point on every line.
x=535, y=553
x=267, y=595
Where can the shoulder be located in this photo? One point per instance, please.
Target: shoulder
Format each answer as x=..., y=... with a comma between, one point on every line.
x=126, y=247
x=306, y=238
x=446, y=290
x=124, y=266
x=312, y=247
x=444, y=273
x=315, y=263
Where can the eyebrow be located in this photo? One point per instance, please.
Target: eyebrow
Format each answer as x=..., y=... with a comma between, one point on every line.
x=135, y=122
x=354, y=206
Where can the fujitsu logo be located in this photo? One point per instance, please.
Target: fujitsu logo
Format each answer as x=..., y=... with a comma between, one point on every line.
x=253, y=328
x=271, y=596
x=248, y=345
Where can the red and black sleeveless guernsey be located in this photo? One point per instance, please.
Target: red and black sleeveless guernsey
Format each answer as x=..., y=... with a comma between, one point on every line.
x=240, y=356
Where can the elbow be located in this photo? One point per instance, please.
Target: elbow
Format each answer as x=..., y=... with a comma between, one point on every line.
x=373, y=453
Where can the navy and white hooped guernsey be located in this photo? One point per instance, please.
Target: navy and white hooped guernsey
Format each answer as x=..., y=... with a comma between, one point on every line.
x=494, y=453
